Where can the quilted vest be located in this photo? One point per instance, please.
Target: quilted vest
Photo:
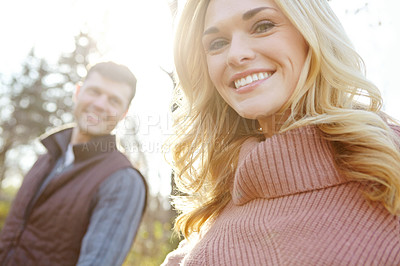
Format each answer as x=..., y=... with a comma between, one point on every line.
x=48, y=230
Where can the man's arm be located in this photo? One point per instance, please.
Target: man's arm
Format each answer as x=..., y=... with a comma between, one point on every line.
x=115, y=219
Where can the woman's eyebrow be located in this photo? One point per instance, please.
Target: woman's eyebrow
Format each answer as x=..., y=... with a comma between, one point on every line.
x=210, y=31
x=252, y=12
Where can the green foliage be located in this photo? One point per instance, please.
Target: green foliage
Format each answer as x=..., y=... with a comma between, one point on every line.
x=154, y=239
x=151, y=247
x=4, y=209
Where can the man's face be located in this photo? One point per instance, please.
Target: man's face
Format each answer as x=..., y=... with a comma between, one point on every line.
x=99, y=105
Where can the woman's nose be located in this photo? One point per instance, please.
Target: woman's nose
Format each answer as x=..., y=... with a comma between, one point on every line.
x=240, y=51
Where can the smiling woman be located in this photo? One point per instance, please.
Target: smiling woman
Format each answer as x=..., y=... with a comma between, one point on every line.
x=273, y=148
x=229, y=49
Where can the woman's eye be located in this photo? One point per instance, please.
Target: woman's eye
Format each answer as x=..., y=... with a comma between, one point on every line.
x=263, y=26
x=217, y=44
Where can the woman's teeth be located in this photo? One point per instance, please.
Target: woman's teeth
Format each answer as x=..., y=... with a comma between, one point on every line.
x=251, y=78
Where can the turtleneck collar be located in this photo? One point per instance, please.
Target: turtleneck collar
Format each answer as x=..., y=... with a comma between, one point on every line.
x=296, y=161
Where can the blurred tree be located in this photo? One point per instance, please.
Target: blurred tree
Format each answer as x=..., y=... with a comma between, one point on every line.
x=173, y=6
x=38, y=98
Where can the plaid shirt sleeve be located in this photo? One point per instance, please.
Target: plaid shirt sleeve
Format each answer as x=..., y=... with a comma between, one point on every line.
x=115, y=219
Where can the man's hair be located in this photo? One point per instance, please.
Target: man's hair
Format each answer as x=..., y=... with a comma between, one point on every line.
x=115, y=72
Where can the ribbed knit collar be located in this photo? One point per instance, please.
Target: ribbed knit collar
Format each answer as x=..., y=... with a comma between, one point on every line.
x=296, y=161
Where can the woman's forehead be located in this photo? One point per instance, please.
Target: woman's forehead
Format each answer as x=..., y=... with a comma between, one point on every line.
x=224, y=9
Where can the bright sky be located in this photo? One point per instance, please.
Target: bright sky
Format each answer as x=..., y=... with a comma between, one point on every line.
x=375, y=32
x=135, y=33
x=139, y=34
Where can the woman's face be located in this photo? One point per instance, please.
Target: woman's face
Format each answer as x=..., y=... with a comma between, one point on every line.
x=254, y=55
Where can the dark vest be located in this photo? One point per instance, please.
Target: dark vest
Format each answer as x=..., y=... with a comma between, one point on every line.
x=49, y=230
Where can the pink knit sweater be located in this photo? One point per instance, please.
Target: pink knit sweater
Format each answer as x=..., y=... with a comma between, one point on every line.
x=290, y=206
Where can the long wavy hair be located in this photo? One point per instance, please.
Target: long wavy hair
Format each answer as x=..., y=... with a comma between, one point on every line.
x=209, y=133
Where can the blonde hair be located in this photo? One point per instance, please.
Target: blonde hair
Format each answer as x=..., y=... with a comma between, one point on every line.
x=209, y=133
